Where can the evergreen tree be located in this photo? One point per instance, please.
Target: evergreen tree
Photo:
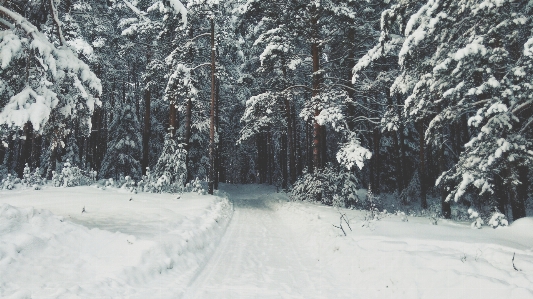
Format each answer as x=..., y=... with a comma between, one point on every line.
x=124, y=149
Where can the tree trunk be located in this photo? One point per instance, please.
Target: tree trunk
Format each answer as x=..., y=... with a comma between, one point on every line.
x=351, y=111
x=376, y=136
x=401, y=137
x=146, y=129
x=297, y=145
x=317, y=128
x=147, y=120
x=445, y=205
x=323, y=146
x=500, y=194
x=518, y=204
x=290, y=139
x=422, y=166
x=211, y=183
x=36, y=150
x=270, y=157
x=55, y=19
x=398, y=164
x=309, y=146
x=283, y=161
x=172, y=122
x=52, y=163
x=217, y=123
x=25, y=149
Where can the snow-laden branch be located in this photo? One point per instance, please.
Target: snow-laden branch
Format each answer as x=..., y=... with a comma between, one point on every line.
x=42, y=94
x=353, y=153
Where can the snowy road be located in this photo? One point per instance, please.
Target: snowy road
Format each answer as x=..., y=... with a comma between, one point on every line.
x=276, y=249
x=160, y=247
x=257, y=258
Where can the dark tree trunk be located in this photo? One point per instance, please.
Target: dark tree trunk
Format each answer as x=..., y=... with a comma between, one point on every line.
x=36, y=150
x=500, y=194
x=309, y=146
x=323, y=146
x=398, y=160
x=147, y=119
x=298, y=156
x=283, y=161
x=188, y=115
x=270, y=157
x=3, y=155
x=25, y=149
x=217, y=122
x=518, y=204
x=187, y=141
x=422, y=166
x=9, y=153
x=98, y=140
x=173, y=118
x=445, y=205
x=350, y=61
x=146, y=130
x=376, y=136
x=290, y=138
x=262, y=157
x=401, y=137
x=317, y=128
x=211, y=183
x=52, y=163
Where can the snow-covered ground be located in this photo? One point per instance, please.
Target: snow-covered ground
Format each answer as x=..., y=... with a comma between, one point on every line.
x=148, y=247
x=157, y=246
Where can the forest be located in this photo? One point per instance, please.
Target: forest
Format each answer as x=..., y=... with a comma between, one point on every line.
x=428, y=102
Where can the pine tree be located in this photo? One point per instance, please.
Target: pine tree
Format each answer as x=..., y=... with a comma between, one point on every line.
x=170, y=172
x=124, y=149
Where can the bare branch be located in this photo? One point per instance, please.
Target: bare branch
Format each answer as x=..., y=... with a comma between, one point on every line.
x=53, y=10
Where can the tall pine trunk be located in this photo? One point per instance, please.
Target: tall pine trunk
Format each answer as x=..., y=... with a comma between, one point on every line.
x=147, y=120
x=211, y=183
x=290, y=138
x=217, y=128
x=445, y=205
x=173, y=118
x=283, y=161
x=422, y=166
x=376, y=142
x=317, y=128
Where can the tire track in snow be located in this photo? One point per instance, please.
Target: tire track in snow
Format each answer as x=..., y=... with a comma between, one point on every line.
x=257, y=258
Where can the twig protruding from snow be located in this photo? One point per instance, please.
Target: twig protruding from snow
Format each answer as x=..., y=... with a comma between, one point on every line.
x=514, y=253
x=343, y=217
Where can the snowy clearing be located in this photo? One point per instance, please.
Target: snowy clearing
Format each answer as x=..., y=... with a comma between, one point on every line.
x=158, y=246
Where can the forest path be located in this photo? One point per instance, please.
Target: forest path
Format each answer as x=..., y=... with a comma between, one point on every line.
x=259, y=256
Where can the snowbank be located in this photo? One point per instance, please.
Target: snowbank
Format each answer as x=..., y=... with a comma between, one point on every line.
x=116, y=248
x=390, y=258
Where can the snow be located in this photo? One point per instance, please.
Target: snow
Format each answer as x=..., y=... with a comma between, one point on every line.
x=272, y=248
x=528, y=47
x=60, y=64
x=10, y=47
x=353, y=153
x=117, y=248
x=179, y=9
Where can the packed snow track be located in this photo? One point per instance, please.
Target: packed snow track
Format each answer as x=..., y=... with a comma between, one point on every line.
x=257, y=258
